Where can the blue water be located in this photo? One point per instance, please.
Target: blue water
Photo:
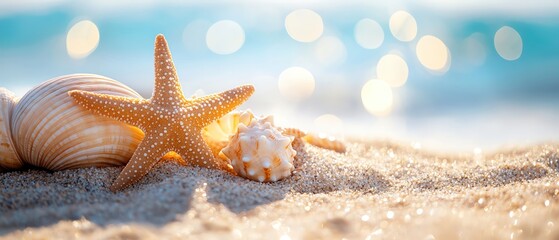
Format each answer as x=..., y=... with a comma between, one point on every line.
x=498, y=103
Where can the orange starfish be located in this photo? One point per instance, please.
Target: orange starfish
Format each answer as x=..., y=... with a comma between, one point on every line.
x=170, y=121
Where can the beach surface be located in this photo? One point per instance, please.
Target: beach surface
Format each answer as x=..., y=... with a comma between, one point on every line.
x=377, y=190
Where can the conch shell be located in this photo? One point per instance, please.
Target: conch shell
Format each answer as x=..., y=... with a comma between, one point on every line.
x=260, y=152
x=257, y=149
x=49, y=130
x=8, y=155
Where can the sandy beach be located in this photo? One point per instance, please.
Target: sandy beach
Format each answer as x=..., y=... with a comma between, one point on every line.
x=376, y=190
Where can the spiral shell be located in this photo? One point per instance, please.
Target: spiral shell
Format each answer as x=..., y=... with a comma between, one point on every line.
x=260, y=152
x=217, y=133
x=51, y=131
x=8, y=156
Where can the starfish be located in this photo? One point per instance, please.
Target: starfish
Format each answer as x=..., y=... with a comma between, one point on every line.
x=170, y=121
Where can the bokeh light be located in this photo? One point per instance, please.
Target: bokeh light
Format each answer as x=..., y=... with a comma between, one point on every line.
x=329, y=124
x=82, y=39
x=474, y=49
x=393, y=69
x=377, y=97
x=225, y=37
x=508, y=43
x=304, y=25
x=403, y=26
x=433, y=53
x=368, y=33
x=296, y=83
x=330, y=50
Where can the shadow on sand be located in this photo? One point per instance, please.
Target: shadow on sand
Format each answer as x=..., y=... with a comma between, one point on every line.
x=36, y=198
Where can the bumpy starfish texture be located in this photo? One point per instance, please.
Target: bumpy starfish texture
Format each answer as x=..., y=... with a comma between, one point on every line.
x=170, y=121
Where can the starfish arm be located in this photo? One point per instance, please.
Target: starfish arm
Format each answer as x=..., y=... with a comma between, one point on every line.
x=212, y=107
x=197, y=153
x=125, y=109
x=145, y=157
x=167, y=86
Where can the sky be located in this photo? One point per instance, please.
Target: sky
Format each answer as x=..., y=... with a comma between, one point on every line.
x=444, y=75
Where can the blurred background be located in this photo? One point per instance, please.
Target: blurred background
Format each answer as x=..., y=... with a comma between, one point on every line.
x=467, y=76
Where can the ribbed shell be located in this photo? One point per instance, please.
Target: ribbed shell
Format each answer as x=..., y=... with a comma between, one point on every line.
x=260, y=152
x=8, y=156
x=51, y=131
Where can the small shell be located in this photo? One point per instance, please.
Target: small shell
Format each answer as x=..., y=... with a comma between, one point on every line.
x=318, y=140
x=217, y=134
x=294, y=132
x=51, y=131
x=8, y=155
x=325, y=142
x=260, y=152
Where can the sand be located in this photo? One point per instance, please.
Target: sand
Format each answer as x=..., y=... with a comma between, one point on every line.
x=374, y=191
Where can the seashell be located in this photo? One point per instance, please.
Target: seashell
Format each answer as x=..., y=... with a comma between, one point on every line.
x=294, y=132
x=51, y=131
x=318, y=140
x=326, y=142
x=260, y=152
x=217, y=134
x=8, y=155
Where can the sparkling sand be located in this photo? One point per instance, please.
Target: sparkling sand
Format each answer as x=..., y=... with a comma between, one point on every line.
x=374, y=191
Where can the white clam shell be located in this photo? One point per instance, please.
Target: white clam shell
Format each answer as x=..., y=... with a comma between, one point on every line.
x=51, y=131
x=8, y=156
x=260, y=152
